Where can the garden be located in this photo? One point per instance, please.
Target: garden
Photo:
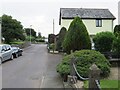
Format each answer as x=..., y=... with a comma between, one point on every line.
x=77, y=39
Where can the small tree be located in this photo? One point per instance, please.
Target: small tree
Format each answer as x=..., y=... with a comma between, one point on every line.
x=103, y=41
x=51, y=38
x=60, y=38
x=117, y=30
x=116, y=46
x=77, y=37
x=116, y=43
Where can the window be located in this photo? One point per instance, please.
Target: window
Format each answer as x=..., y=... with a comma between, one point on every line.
x=98, y=22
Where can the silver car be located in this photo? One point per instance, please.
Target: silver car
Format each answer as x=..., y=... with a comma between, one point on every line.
x=5, y=52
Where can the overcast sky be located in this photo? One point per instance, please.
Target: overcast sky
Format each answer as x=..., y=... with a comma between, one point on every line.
x=40, y=13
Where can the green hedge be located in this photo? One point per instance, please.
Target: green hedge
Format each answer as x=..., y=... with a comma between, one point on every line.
x=103, y=41
x=85, y=59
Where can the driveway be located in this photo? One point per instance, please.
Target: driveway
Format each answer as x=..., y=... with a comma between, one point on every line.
x=35, y=69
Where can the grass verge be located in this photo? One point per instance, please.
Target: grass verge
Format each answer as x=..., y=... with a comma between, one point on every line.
x=106, y=84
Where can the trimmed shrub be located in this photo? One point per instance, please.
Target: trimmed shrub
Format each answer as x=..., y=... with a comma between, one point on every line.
x=103, y=41
x=116, y=47
x=51, y=38
x=85, y=58
x=60, y=38
x=77, y=37
x=117, y=30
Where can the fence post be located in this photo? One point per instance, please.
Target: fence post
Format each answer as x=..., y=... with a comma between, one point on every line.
x=72, y=78
x=94, y=74
x=72, y=71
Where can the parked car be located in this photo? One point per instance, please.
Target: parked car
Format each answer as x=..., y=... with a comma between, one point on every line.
x=17, y=52
x=5, y=52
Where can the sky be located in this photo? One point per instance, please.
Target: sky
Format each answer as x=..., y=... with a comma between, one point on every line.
x=40, y=13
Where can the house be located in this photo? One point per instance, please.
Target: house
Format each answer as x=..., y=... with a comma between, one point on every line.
x=95, y=20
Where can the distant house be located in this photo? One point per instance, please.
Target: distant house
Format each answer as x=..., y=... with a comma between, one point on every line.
x=95, y=20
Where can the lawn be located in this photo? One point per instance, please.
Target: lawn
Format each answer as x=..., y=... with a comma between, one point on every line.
x=107, y=84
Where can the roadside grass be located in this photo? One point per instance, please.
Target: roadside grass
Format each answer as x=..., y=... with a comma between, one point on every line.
x=106, y=84
x=17, y=42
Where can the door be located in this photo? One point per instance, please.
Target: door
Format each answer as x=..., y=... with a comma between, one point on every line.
x=3, y=52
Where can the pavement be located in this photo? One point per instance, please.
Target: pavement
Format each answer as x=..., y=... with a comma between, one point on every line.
x=35, y=69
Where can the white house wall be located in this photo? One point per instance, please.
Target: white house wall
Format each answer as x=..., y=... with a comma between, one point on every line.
x=107, y=25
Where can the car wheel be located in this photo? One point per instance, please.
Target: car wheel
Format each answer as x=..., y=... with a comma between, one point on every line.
x=11, y=57
x=21, y=54
x=16, y=55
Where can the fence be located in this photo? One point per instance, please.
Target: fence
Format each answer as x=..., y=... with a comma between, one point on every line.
x=94, y=75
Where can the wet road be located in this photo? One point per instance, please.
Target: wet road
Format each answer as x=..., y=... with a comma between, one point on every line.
x=35, y=69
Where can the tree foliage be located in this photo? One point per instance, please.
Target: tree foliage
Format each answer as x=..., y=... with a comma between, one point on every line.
x=117, y=30
x=77, y=37
x=60, y=38
x=11, y=29
x=51, y=38
x=33, y=33
x=103, y=41
x=39, y=35
x=116, y=43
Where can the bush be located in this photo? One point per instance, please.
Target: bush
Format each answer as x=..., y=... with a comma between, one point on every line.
x=51, y=46
x=103, y=41
x=77, y=37
x=117, y=30
x=85, y=58
x=116, y=47
x=51, y=38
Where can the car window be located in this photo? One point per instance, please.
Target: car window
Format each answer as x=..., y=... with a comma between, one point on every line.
x=0, y=48
x=7, y=47
x=3, y=49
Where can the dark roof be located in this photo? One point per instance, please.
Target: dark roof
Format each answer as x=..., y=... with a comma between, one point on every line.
x=84, y=13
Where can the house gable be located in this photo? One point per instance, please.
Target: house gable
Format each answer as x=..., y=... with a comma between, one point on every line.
x=84, y=13
x=95, y=20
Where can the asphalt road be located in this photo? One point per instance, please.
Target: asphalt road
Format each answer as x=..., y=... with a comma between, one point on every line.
x=35, y=69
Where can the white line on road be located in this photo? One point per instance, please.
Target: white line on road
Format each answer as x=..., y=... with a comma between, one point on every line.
x=43, y=77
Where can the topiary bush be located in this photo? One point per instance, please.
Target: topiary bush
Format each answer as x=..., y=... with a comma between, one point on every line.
x=103, y=41
x=85, y=58
x=77, y=37
x=60, y=39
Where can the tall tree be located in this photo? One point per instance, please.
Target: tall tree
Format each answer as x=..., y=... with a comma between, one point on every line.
x=77, y=37
x=11, y=29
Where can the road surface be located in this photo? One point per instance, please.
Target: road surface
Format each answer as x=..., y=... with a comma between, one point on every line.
x=35, y=69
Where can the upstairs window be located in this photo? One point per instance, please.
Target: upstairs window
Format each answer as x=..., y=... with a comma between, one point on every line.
x=98, y=22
